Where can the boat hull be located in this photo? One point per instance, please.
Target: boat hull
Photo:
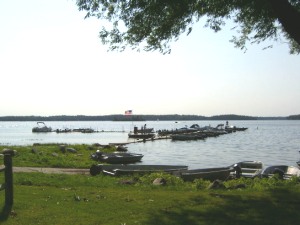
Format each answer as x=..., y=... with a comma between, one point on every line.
x=211, y=174
x=120, y=169
x=188, y=137
x=284, y=172
x=247, y=169
x=41, y=129
x=117, y=157
x=141, y=136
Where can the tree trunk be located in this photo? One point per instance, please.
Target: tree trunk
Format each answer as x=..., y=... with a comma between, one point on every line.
x=288, y=16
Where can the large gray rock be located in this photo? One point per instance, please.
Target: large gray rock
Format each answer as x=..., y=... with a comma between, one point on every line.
x=159, y=181
x=217, y=184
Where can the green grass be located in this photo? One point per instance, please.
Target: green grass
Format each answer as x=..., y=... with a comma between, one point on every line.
x=94, y=200
x=78, y=199
x=50, y=155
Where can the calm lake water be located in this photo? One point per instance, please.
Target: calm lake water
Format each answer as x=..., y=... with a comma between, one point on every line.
x=272, y=142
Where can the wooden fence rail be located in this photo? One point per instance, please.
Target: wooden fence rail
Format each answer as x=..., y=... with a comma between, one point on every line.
x=8, y=176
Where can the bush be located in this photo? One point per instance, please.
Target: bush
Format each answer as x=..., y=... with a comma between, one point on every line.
x=200, y=184
x=263, y=183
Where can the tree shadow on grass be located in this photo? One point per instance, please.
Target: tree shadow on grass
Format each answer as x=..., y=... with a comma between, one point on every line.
x=4, y=214
x=273, y=207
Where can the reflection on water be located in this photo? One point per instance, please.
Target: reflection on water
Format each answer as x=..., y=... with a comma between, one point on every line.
x=272, y=142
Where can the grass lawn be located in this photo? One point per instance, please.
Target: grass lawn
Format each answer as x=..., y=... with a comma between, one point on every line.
x=81, y=199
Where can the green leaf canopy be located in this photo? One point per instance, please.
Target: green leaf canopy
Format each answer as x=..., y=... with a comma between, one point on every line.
x=153, y=24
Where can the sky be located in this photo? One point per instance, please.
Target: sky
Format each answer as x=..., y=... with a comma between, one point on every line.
x=52, y=62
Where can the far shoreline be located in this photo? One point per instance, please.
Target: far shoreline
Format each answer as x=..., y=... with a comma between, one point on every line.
x=124, y=118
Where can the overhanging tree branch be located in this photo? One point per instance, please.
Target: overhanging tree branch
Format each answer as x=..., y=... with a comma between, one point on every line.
x=153, y=24
x=288, y=16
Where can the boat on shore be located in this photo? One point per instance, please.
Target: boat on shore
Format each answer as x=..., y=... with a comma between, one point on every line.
x=117, y=157
x=211, y=174
x=121, y=169
x=283, y=171
x=41, y=127
x=247, y=169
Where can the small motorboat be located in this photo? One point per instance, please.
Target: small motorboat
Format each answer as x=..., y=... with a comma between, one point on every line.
x=284, y=172
x=117, y=157
x=211, y=174
x=188, y=136
x=143, y=133
x=41, y=127
x=65, y=130
x=121, y=169
x=230, y=128
x=144, y=129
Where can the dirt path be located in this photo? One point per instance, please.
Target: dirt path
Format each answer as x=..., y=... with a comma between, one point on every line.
x=51, y=170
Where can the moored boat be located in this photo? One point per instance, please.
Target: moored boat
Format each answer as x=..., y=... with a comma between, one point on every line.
x=66, y=130
x=141, y=136
x=41, y=127
x=143, y=129
x=143, y=133
x=84, y=130
x=230, y=128
x=188, y=136
x=120, y=169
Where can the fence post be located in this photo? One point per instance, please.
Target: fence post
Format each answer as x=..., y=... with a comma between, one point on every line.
x=8, y=153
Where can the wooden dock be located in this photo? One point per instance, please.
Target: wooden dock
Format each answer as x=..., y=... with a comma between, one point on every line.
x=141, y=140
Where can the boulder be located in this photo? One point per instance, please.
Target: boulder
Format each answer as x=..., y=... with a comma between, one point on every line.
x=34, y=151
x=217, y=184
x=54, y=154
x=159, y=181
x=62, y=148
x=72, y=150
x=121, y=148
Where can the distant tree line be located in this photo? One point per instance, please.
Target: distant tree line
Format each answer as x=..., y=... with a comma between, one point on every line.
x=120, y=117
x=294, y=117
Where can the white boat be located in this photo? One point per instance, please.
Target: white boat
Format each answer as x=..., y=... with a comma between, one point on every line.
x=284, y=172
x=41, y=127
